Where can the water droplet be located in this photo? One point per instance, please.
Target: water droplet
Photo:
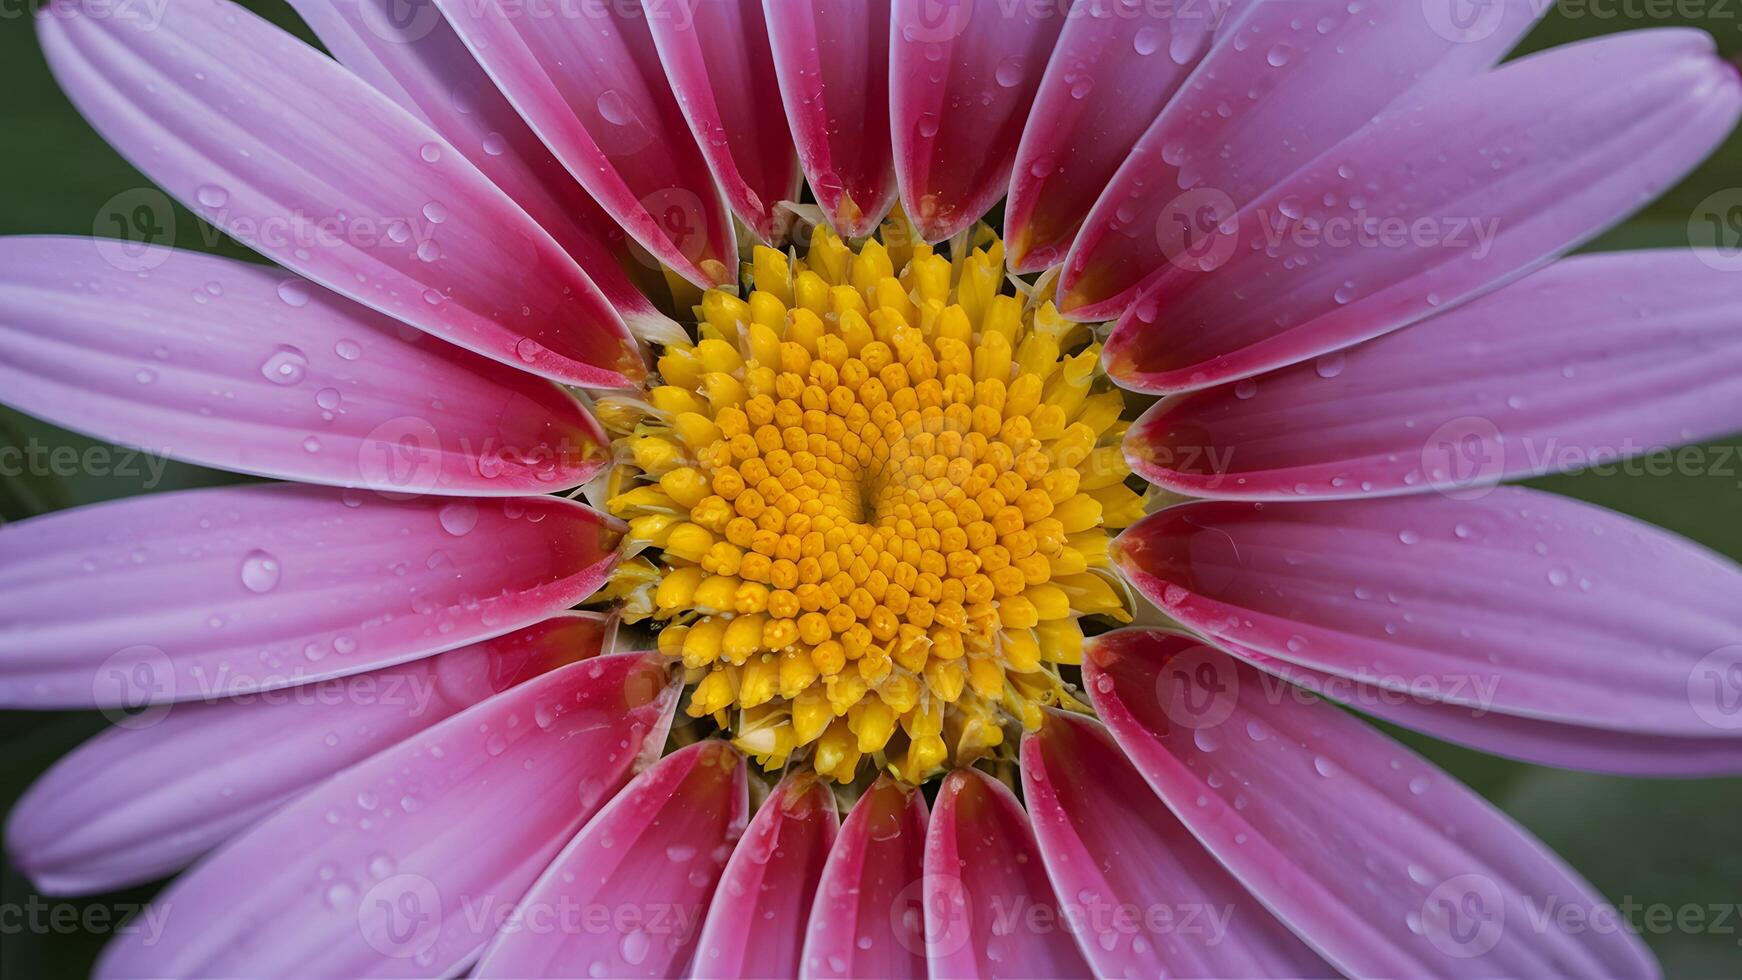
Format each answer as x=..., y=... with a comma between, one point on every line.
x=328, y=399
x=430, y=152
x=260, y=571
x=1408, y=537
x=614, y=109
x=1330, y=365
x=1245, y=389
x=495, y=144
x=1009, y=72
x=459, y=517
x=1146, y=41
x=1279, y=56
x=285, y=366
x=528, y=349
x=212, y=196
x=436, y=212
x=348, y=350
x=294, y=292
x=1325, y=767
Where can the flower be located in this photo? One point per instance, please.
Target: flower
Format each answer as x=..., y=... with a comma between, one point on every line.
x=867, y=499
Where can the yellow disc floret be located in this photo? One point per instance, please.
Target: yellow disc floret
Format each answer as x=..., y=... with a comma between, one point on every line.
x=880, y=499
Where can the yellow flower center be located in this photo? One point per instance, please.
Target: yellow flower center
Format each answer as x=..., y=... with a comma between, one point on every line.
x=880, y=489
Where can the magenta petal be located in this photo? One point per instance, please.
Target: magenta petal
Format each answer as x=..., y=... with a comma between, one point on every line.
x=420, y=63
x=589, y=83
x=719, y=63
x=1588, y=361
x=869, y=916
x=1145, y=897
x=755, y=926
x=1284, y=83
x=408, y=863
x=1545, y=743
x=959, y=102
x=208, y=593
x=246, y=368
x=1430, y=207
x=832, y=58
x=1518, y=602
x=990, y=911
x=150, y=795
x=1108, y=79
x=650, y=859
x=1382, y=862
x=299, y=159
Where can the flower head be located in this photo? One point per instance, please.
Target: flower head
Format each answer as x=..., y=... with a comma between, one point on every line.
x=873, y=495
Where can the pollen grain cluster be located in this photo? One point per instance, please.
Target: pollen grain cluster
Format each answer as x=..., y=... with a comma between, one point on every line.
x=869, y=505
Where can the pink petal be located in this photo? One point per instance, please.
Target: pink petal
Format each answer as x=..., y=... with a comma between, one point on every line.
x=147, y=797
x=990, y=911
x=1492, y=179
x=1147, y=897
x=1518, y=602
x=1385, y=864
x=300, y=160
x=719, y=63
x=832, y=57
x=420, y=63
x=246, y=368
x=589, y=83
x=869, y=920
x=1108, y=79
x=1588, y=361
x=650, y=858
x=210, y=593
x=1545, y=743
x=1284, y=83
x=756, y=928
x=408, y=863
x=960, y=101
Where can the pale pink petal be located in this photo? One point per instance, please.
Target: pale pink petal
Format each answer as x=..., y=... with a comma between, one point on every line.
x=1545, y=743
x=250, y=369
x=413, y=57
x=989, y=909
x=1430, y=207
x=959, y=102
x=1589, y=361
x=869, y=916
x=408, y=863
x=1383, y=863
x=297, y=158
x=1517, y=602
x=755, y=928
x=718, y=60
x=589, y=83
x=651, y=859
x=151, y=794
x=1108, y=79
x=1284, y=83
x=208, y=593
x=1146, y=897
x=832, y=58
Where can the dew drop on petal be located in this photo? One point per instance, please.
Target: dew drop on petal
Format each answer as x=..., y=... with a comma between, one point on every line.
x=260, y=572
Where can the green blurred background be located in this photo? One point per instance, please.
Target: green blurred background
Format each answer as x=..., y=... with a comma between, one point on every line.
x=1643, y=843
